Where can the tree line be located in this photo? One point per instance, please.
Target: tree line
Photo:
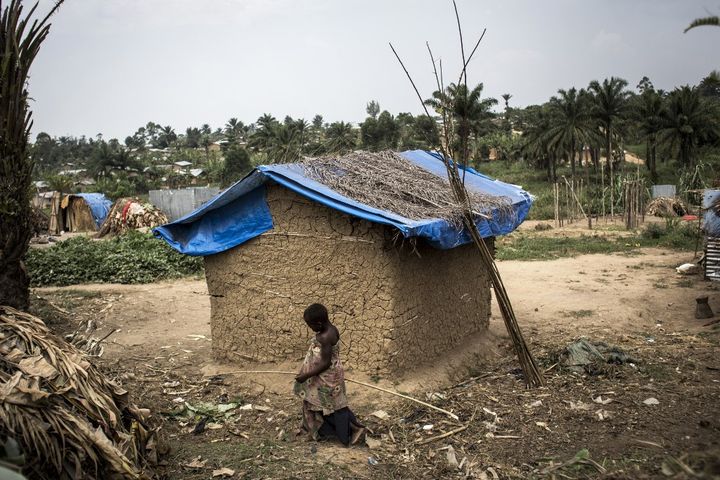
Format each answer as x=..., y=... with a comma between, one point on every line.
x=575, y=128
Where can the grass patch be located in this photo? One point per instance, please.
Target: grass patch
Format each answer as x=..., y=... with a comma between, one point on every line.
x=130, y=258
x=526, y=246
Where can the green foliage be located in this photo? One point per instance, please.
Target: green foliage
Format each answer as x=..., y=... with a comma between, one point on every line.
x=713, y=21
x=237, y=164
x=524, y=246
x=532, y=180
x=129, y=258
x=60, y=183
x=468, y=116
x=675, y=233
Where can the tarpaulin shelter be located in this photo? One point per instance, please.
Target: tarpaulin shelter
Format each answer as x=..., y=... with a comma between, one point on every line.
x=84, y=212
x=131, y=214
x=280, y=239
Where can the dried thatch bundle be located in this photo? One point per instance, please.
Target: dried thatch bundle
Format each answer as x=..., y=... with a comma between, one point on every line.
x=667, y=207
x=388, y=181
x=72, y=422
x=129, y=214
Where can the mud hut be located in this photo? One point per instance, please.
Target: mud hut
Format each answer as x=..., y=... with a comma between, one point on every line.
x=375, y=237
x=84, y=212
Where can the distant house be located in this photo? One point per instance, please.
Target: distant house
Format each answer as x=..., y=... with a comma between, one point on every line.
x=41, y=186
x=181, y=166
x=196, y=174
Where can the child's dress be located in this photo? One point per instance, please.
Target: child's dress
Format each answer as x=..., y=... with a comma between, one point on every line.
x=325, y=410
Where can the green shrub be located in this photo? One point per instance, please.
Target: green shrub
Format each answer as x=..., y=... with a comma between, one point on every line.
x=675, y=234
x=130, y=258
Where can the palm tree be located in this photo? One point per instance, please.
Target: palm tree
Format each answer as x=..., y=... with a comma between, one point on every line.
x=506, y=97
x=193, y=135
x=649, y=114
x=20, y=41
x=341, y=137
x=571, y=128
x=688, y=120
x=264, y=135
x=285, y=143
x=610, y=107
x=710, y=85
x=235, y=130
x=466, y=114
x=536, y=141
x=166, y=136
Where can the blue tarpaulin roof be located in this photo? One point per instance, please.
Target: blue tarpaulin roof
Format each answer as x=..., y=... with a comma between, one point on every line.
x=99, y=205
x=241, y=212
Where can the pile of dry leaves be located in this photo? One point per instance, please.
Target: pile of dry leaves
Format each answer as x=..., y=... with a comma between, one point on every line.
x=68, y=418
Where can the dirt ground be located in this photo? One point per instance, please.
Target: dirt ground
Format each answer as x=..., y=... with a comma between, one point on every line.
x=656, y=417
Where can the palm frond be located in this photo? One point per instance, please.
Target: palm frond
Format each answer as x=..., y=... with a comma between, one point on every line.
x=71, y=421
x=713, y=21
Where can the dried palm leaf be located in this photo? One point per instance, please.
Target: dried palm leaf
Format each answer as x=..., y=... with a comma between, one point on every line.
x=70, y=419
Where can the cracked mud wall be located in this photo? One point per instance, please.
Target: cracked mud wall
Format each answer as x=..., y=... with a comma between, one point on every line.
x=313, y=254
x=381, y=298
x=441, y=298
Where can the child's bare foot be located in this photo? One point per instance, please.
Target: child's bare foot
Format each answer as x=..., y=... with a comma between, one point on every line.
x=357, y=434
x=303, y=435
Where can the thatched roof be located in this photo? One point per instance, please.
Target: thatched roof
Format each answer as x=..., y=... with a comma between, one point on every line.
x=388, y=181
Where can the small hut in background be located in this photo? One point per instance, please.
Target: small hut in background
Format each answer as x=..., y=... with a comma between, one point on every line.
x=375, y=237
x=83, y=212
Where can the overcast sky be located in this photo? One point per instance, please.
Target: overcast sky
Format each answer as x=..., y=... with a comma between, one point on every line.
x=110, y=66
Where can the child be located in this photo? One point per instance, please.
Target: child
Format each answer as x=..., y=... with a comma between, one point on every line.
x=321, y=383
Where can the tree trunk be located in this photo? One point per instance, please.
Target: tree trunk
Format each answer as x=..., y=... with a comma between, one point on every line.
x=548, y=165
x=15, y=234
x=608, y=140
x=587, y=172
x=572, y=158
x=652, y=159
x=594, y=158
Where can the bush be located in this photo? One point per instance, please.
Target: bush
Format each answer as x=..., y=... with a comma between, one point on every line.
x=675, y=234
x=130, y=258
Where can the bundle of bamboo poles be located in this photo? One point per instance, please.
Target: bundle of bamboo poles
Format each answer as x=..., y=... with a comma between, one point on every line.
x=533, y=376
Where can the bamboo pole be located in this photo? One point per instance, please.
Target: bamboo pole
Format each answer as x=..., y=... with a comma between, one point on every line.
x=533, y=376
x=350, y=380
x=576, y=198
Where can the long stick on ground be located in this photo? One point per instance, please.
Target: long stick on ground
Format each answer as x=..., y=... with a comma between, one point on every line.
x=350, y=380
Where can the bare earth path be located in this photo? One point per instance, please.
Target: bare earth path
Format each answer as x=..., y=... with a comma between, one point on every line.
x=636, y=302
